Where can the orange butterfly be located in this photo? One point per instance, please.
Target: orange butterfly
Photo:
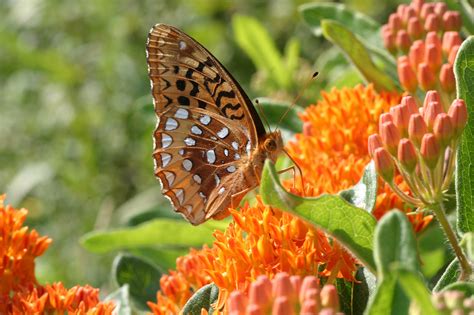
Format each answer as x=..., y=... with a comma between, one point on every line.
x=209, y=143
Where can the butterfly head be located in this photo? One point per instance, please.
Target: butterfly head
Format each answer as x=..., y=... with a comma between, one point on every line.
x=273, y=145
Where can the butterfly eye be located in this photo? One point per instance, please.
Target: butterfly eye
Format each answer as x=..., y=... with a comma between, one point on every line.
x=270, y=145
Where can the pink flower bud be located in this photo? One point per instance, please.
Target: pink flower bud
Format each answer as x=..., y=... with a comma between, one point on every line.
x=452, y=21
x=416, y=129
x=450, y=39
x=432, y=38
x=237, y=302
x=407, y=155
x=282, y=285
x=430, y=150
x=389, y=41
x=426, y=77
x=408, y=14
x=407, y=77
x=401, y=117
x=401, y=9
x=446, y=78
x=329, y=297
x=410, y=102
x=253, y=309
x=433, y=57
x=385, y=117
x=426, y=9
x=374, y=142
x=432, y=23
x=430, y=113
x=417, y=53
x=431, y=96
x=309, y=307
x=415, y=29
x=296, y=282
x=390, y=137
x=384, y=164
x=452, y=54
x=403, y=41
x=443, y=129
x=260, y=292
x=395, y=22
x=440, y=8
x=282, y=306
x=458, y=114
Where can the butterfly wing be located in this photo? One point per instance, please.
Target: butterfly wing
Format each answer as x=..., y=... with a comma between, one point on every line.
x=206, y=127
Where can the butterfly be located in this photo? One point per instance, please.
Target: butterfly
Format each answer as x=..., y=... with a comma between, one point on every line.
x=210, y=145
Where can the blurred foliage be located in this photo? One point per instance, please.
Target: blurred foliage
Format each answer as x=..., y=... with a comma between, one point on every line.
x=76, y=120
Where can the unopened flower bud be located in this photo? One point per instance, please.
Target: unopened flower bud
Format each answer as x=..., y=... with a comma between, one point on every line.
x=430, y=150
x=426, y=9
x=309, y=283
x=385, y=117
x=432, y=38
x=430, y=113
x=417, y=5
x=389, y=41
x=432, y=23
x=403, y=41
x=253, y=309
x=259, y=293
x=309, y=307
x=401, y=117
x=458, y=114
x=407, y=155
x=440, y=8
x=426, y=77
x=410, y=102
x=401, y=9
x=433, y=57
x=452, y=21
x=415, y=29
x=390, y=137
x=453, y=298
x=384, y=164
x=431, y=96
x=452, y=54
x=450, y=39
x=282, y=285
x=237, y=302
x=416, y=129
x=417, y=53
x=408, y=14
x=374, y=142
x=282, y=306
x=443, y=129
x=407, y=77
x=329, y=297
x=395, y=22
x=446, y=78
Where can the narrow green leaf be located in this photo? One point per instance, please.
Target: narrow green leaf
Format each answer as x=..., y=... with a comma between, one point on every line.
x=364, y=194
x=350, y=225
x=121, y=298
x=164, y=258
x=466, y=287
x=292, y=55
x=464, y=72
x=203, y=298
x=450, y=275
x=395, y=244
x=159, y=232
x=467, y=13
x=142, y=277
x=354, y=296
x=467, y=243
x=389, y=298
x=414, y=287
x=257, y=43
x=274, y=111
x=357, y=53
x=360, y=24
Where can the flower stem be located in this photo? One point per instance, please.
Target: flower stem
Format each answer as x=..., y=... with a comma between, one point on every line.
x=466, y=269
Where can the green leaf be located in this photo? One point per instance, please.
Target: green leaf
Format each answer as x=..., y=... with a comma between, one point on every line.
x=350, y=225
x=467, y=243
x=450, y=275
x=414, y=287
x=466, y=10
x=466, y=287
x=360, y=24
x=159, y=232
x=389, y=298
x=164, y=258
x=464, y=72
x=292, y=55
x=142, y=277
x=364, y=194
x=354, y=296
x=257, y=43
x=121, y=298
x=357, y=53
x=395, y=244
x=203, y=298
x=274, y=111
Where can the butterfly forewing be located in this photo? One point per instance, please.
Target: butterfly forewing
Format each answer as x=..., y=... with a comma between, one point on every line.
x=206, y=127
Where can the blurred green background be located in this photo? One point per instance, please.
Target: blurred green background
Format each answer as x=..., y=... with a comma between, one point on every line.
x=76, y=118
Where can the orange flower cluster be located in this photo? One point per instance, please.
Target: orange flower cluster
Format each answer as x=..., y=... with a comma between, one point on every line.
x=260, y=241
x=20, y=293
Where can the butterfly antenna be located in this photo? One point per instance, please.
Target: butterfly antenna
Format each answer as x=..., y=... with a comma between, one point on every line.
x=262, y=114
x=299, y=170
x=308, y=82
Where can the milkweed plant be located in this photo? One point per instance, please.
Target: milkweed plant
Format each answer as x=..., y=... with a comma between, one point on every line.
x=386, y=190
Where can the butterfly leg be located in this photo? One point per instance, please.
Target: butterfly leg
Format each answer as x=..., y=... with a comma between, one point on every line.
x=292, y=169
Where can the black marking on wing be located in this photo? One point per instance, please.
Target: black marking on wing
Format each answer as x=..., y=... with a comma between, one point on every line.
x=229, y=94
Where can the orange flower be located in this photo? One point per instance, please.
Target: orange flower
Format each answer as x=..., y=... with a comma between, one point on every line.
x=20, y=293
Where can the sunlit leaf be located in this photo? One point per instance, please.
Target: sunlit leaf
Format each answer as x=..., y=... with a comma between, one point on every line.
x=202, y=299
x=363, y=194
x=121, y=298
